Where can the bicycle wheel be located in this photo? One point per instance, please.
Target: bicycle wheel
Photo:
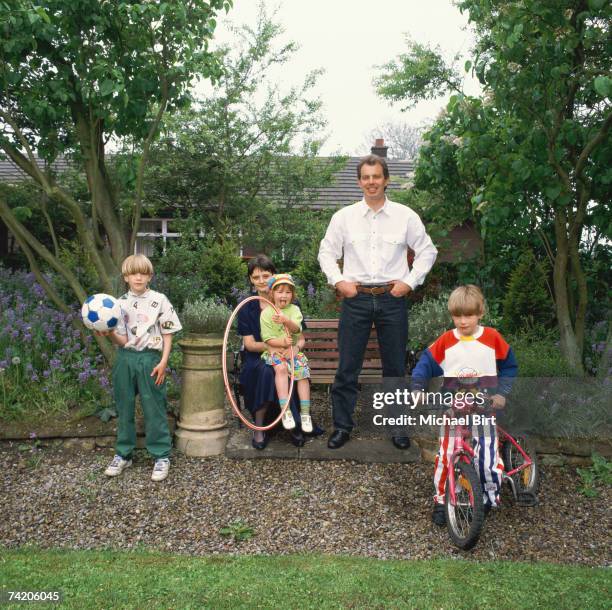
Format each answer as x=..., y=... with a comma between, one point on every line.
x=528, y=479
x=465, y=520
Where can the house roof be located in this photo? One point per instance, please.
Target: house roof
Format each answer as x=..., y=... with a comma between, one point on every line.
x=343, y=190
x=9, y=172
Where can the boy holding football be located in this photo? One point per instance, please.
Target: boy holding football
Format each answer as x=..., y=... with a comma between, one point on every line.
x=145, y=342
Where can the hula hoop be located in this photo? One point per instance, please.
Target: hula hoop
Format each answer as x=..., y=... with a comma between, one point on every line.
x=228, y=390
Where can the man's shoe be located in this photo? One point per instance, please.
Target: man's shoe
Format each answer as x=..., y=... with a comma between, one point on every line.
x=117, y=466
x=337, y=439
x=260, y=444
x=438, y=516
x=160, y=470
x=401, y=442
x=297, y=438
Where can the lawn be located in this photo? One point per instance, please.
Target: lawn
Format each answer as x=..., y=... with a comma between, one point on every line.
x=114, y=579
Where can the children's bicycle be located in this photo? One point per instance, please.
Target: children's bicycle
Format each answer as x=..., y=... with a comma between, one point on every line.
x=463, y=504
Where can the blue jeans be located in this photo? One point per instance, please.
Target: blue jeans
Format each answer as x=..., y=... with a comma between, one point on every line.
x=390, y=317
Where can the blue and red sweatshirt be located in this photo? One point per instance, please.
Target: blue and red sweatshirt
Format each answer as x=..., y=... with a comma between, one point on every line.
x=485, y=355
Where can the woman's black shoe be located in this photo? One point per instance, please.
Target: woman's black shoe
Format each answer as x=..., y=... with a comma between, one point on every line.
x=297, y=438
x=260, y=444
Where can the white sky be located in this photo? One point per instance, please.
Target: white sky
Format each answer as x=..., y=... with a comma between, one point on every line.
x=348, y=38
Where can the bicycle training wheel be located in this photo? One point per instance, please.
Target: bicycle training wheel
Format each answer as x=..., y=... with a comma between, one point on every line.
x=465, y=519
x=528, y=479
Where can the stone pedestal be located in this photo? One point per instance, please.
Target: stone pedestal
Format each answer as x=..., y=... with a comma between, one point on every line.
x=202, y=428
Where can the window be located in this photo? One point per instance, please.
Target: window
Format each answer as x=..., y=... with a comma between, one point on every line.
x=152, y=229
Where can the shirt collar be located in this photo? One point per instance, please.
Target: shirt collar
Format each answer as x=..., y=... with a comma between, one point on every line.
x=139, y=296
x=365, y=208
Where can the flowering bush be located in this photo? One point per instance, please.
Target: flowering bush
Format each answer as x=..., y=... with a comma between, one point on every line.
x=46, y=363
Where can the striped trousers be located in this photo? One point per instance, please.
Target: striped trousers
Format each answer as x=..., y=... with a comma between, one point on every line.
x=487, y=461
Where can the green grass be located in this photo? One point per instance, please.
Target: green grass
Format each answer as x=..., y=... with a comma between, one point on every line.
x=142, y=579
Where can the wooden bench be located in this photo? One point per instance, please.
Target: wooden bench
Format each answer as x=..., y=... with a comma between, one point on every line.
x=321, y=349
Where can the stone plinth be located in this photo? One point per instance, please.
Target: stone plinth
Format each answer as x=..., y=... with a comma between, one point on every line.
x=202, y=428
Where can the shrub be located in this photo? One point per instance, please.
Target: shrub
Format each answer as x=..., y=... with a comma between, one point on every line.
x=205, y=316
x=527, y=304
x=222, y=269
x=428, y=320
x=539, y=356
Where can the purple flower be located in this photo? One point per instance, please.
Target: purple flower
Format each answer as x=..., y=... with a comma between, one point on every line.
x=33, y=435
x=54, y=363
x=34, y=377
x=311, y=290
x=46, y=374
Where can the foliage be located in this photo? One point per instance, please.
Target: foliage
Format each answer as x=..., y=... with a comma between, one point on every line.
x=134, y=579
x=222, y=268
x=427, y=321
x=598, y=475
x=46, y=365
x=539, y=356
x=205, y=316
x=75, y=76
x=319, y=303
x=246, y=154
x=239, y=530
x=531, y=157
x=527, y=304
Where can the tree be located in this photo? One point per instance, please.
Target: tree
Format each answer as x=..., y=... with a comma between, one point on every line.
x=402, y=139
x=537, y=143
x=245, y=157
x=76, y=75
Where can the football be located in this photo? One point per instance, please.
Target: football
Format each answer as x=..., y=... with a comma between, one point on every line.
x=101, y=312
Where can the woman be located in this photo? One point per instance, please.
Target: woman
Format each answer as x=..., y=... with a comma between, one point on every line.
x=256, y=377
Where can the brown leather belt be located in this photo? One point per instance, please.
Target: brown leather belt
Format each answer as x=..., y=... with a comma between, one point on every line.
x=375, y=289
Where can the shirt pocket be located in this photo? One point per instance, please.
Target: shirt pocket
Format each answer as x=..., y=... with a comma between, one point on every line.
x=357, y=239
x=392, y=244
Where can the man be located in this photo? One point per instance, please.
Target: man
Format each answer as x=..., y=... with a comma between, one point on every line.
x=372, y=236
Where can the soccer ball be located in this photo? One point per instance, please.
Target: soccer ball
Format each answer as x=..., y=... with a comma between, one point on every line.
x=101, y=312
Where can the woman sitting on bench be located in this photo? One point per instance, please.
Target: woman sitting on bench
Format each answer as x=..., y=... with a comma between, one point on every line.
x=256, y=377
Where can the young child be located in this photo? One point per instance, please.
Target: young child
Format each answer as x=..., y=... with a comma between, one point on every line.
x=144, y=341
x=474, y=351
x=282, y=292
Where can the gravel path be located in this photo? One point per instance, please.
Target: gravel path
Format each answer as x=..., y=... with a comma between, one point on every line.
x=377, y=510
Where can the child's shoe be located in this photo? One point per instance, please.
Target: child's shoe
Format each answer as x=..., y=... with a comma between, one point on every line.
x=288, y=421
x=160, y=470
x=306, y=423
x=117, y=466
x=438, y=516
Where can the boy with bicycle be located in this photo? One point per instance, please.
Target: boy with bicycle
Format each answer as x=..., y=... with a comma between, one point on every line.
x=480, y=353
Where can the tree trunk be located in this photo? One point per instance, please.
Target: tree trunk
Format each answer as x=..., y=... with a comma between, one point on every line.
x=569, y=346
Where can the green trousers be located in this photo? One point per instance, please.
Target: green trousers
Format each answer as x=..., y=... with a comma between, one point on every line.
x=131, y=376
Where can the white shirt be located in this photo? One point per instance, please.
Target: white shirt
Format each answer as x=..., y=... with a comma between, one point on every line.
x=374, y=245
x=147, y=317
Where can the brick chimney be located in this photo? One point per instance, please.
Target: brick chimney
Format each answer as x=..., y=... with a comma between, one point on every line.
x=379, y=148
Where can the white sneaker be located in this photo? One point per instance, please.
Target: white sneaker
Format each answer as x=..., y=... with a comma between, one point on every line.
x=288, y=421
x=160, y=470
x=306, y=423
x=117, y=466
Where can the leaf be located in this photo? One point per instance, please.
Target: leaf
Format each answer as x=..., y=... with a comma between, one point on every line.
x=552, y=192
x=603, y=85
x=108, y=86
x=106, y=414
x=22, y=213
x=468, y=65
